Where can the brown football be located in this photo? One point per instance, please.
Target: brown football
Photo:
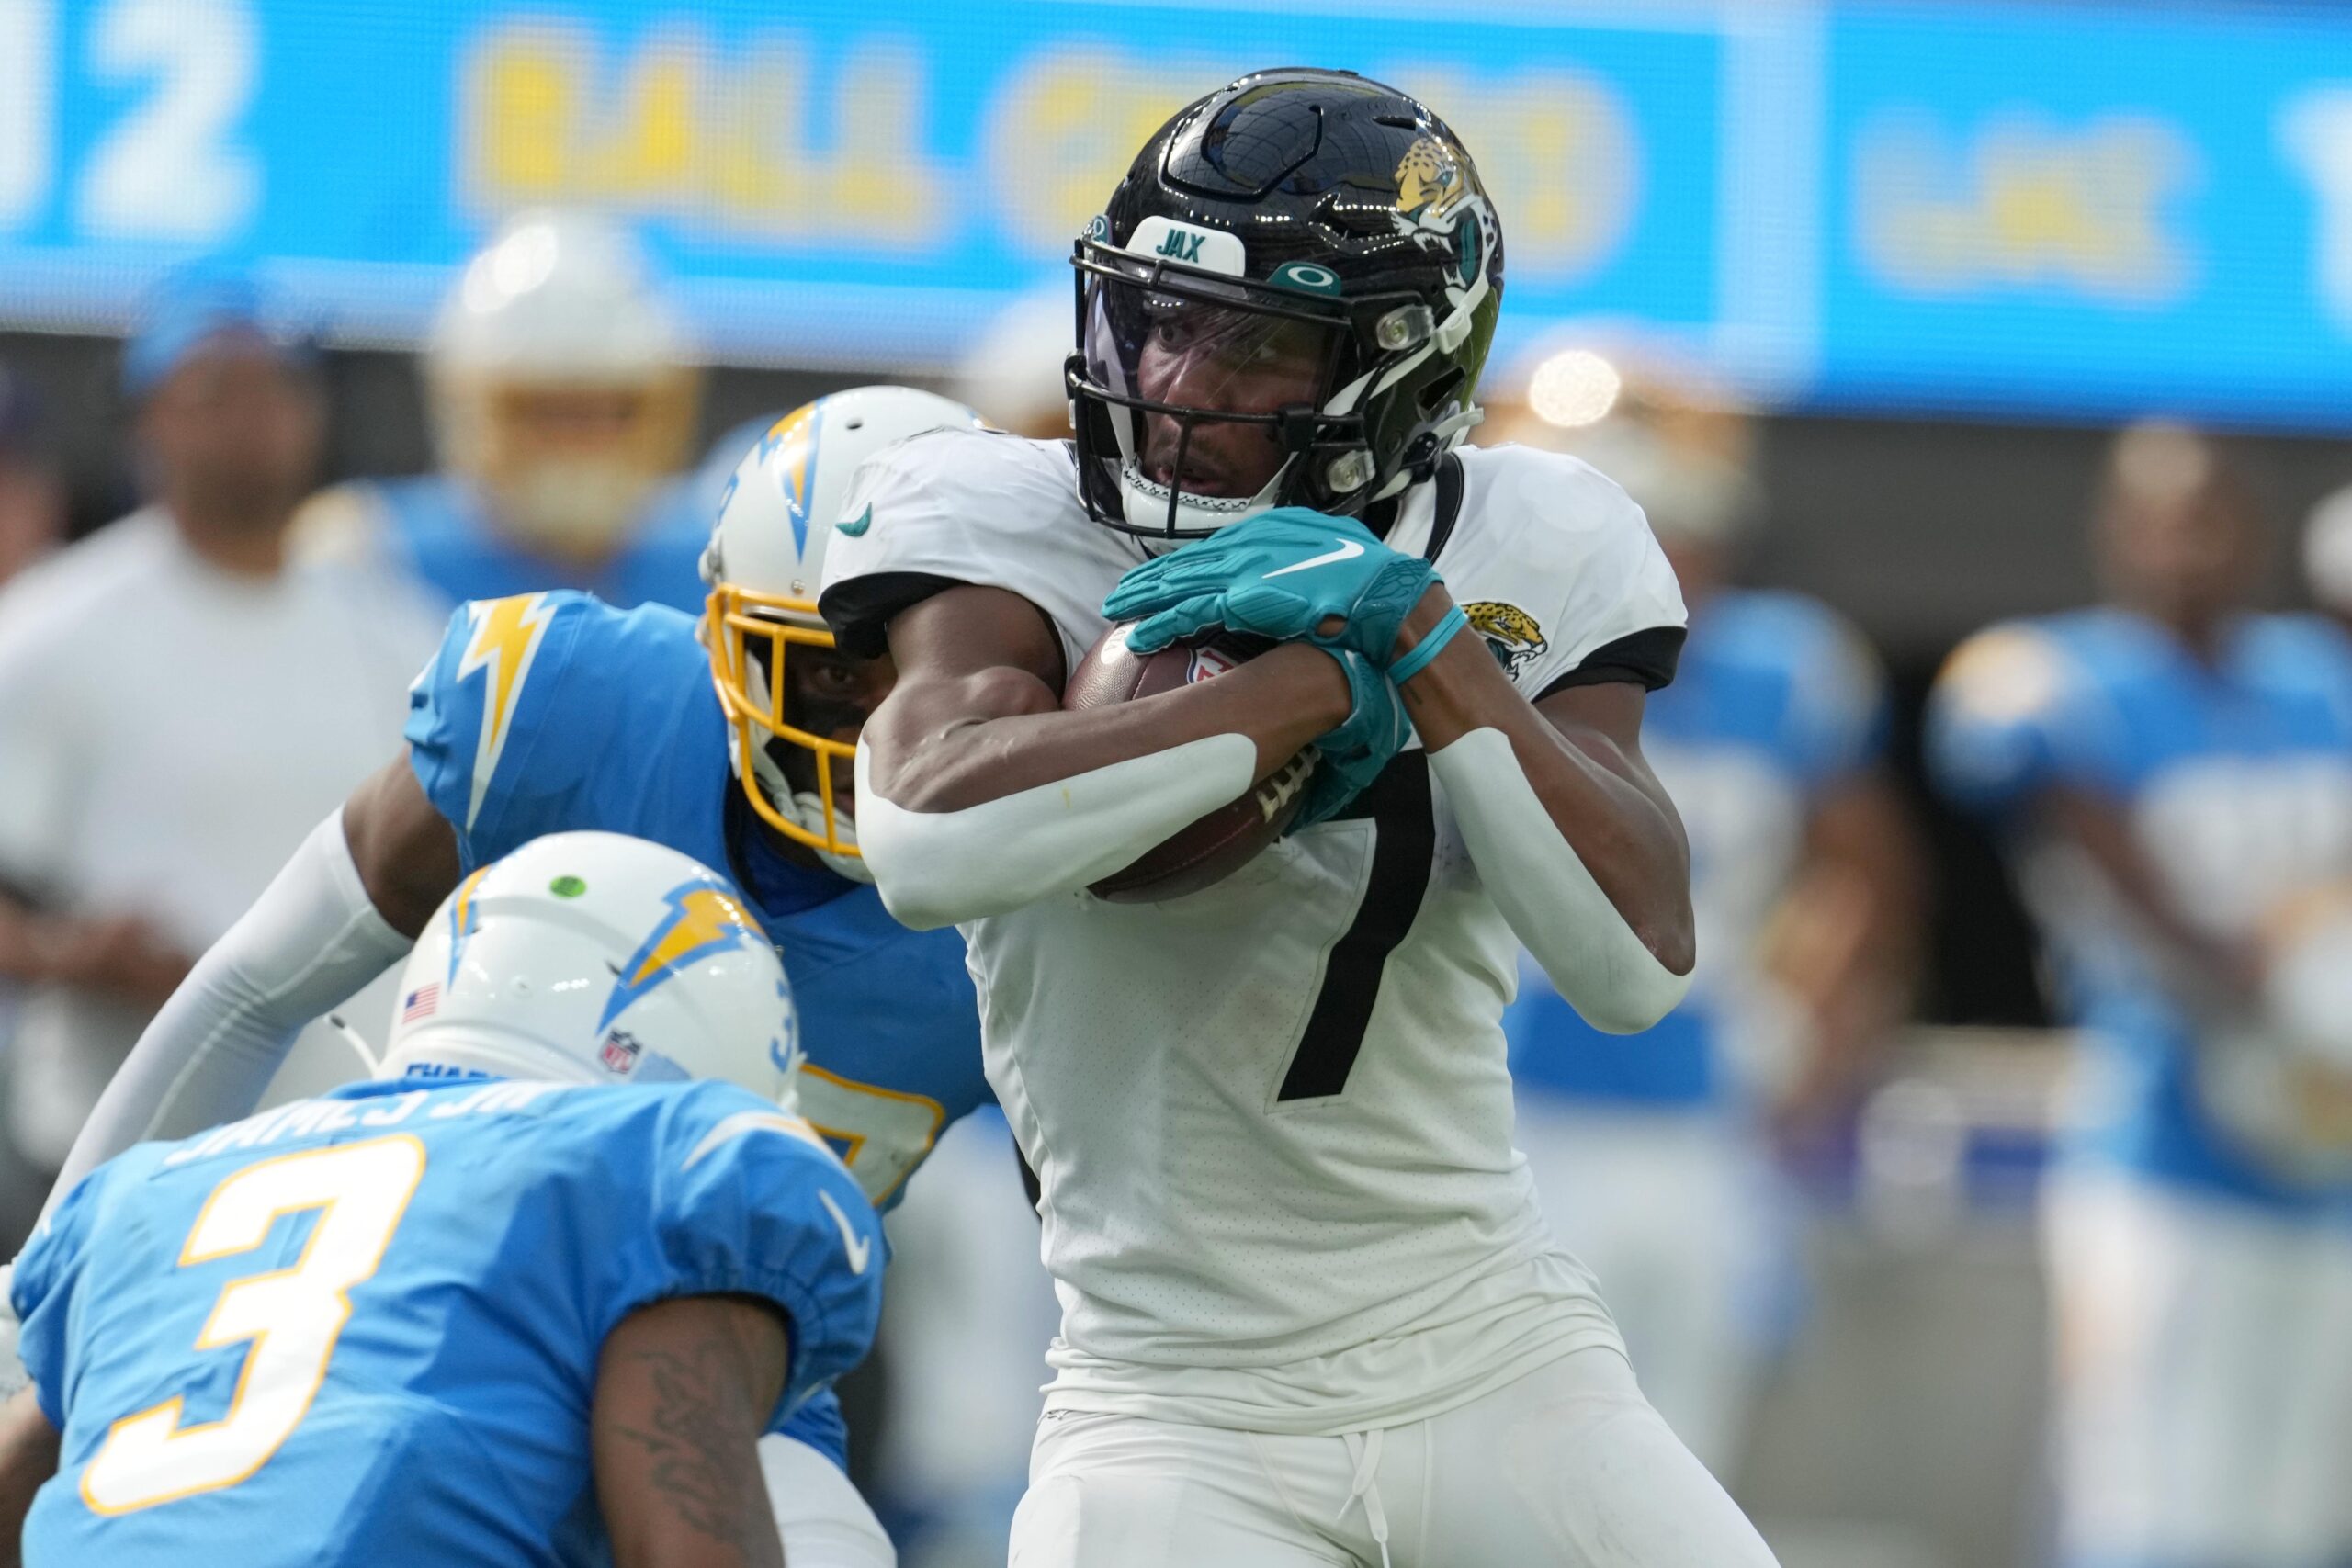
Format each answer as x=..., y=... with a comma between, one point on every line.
x=1222, y=842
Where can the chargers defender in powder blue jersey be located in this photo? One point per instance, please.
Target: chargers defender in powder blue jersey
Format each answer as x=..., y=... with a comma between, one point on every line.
x=2236, y=778
x=367, y=1328
x=729, y=741
x=555, y=711
x=2171, y=776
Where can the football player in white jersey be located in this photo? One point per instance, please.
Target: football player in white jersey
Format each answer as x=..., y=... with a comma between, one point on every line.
x=1310, y=1312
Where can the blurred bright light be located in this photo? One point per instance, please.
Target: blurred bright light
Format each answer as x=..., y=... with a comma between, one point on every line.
x=1573, y=388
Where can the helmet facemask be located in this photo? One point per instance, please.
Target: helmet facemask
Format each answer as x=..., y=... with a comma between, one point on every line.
x=1148, y=327
x=750, y=636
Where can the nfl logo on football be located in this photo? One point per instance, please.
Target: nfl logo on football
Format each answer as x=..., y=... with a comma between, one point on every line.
x=620, y=1051
x=1208, y=661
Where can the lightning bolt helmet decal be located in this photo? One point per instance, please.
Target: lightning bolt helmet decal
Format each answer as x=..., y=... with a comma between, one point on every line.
x=701, y=919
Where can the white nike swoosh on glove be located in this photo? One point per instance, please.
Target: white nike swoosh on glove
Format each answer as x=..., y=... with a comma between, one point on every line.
x=1348, y=549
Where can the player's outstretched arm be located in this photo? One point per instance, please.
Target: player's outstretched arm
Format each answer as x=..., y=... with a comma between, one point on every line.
x=1572, y=835
x=28, y=1449
x=685, y=1389
x=346, y=906
x=977, y=793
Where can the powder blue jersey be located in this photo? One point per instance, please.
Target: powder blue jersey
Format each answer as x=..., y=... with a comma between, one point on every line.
x=1776, y=702
x=433, y=528
x=365, y=1329
x=2235, y=779
x=551, y=712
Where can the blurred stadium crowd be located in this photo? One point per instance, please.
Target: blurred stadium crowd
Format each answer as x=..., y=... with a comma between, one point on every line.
x=1991, y=1200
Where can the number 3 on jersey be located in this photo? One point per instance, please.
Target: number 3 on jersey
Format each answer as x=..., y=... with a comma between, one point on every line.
x=293, y=1316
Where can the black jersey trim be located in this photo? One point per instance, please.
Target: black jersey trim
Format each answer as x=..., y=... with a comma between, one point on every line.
x=1647, y=659
x=860, y=611
x=1449, y=504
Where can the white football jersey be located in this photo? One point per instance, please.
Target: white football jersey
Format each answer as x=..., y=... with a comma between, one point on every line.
x=1272, y=1119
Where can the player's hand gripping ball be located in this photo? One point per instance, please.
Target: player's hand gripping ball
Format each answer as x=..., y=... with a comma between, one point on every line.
x=1290, y=574
x=1295, y=575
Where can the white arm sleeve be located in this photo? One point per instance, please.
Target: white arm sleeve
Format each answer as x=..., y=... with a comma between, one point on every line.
x=311, y=940
x=938, y=868
x=1553, y=904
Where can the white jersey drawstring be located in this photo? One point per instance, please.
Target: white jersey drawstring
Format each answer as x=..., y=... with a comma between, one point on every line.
x=1363, y=1447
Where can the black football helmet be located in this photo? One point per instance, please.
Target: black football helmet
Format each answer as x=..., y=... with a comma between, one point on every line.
x=1310, y=220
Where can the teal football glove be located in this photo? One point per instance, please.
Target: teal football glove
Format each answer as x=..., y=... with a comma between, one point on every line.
x=1280, y=574
x=1353, y=754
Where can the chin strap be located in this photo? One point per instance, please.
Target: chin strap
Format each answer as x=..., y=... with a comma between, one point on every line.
x=807, y=809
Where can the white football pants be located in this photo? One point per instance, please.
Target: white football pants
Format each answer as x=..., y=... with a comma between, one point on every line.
x=823, y=1521
x=2204, y=1377
x=1568, y=1466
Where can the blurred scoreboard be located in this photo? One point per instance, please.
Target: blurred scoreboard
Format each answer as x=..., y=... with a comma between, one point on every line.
x=2074, y=211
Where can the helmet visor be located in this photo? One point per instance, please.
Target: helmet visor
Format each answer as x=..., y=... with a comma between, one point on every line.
x=1205, y=390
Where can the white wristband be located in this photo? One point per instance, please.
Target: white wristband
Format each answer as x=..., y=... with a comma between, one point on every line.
x=1553, y=904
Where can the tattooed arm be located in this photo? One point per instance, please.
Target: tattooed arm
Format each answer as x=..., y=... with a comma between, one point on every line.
x=27, y=1457
x=684, y=1390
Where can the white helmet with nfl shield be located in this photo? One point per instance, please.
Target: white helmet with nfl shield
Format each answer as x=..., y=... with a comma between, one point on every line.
x=766, y=558
x=596, y=958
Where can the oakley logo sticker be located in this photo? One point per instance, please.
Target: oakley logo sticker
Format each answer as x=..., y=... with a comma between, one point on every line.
x=1311, y=277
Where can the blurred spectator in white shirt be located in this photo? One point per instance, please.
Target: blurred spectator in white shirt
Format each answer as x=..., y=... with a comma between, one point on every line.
x=32, y=500
x=177, y=709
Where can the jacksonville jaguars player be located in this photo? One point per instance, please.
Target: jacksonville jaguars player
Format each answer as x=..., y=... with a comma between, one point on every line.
x=1311, y=1311
x=728, y=740
x=2172, y=774
x=532, y=1295
x=563, y=399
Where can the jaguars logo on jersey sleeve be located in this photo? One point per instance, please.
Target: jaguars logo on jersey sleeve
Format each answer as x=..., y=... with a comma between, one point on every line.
x=1513, y=635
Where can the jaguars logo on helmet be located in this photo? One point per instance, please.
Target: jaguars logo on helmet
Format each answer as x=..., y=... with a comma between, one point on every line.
x=1429, y=183
x=1511, y=634
x=1439, y=207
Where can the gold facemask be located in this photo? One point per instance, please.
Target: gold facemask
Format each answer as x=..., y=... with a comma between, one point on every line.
x=738, y=624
